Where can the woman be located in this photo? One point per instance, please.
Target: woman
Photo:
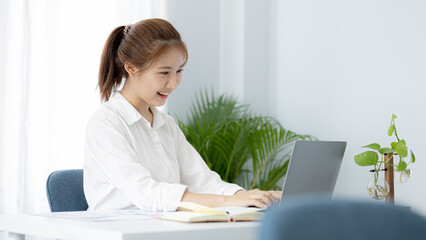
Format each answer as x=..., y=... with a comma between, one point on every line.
x=136, y=156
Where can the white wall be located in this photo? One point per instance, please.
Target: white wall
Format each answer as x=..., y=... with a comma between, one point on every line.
x=229, y=49
x=343, y=68
x=198, y=22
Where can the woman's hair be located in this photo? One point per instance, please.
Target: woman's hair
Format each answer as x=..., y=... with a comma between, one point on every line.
x=139, y=44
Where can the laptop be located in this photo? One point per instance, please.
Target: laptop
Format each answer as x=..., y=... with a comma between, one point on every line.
x=313, y=168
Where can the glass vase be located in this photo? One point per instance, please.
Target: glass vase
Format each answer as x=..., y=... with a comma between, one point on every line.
x=378, y=188
x=403, y=176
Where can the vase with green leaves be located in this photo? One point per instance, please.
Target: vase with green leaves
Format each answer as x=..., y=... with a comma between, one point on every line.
x=243, y=148
x=380, y=159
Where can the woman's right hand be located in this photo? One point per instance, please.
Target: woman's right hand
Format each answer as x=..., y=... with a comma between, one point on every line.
x=254, y=198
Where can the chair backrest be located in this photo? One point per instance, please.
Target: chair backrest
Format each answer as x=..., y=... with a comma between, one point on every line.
x=318, y=218
x=65, y=192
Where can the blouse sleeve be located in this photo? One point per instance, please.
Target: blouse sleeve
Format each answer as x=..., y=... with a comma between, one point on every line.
x=196, y=174
x=112, y=154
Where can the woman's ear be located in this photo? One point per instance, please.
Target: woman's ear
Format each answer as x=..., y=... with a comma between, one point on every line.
x=130, y=69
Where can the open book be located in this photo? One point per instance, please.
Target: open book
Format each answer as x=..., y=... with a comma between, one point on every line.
x=200, y=213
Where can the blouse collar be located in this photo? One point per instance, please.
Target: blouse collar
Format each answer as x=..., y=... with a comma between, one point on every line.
x=131, y=115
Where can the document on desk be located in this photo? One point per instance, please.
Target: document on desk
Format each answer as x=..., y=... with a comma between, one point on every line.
x=117, y=215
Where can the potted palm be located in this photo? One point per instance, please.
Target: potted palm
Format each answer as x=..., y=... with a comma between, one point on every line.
x=252, y=151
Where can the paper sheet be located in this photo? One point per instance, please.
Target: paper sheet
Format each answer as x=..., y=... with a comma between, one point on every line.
x=118, y=215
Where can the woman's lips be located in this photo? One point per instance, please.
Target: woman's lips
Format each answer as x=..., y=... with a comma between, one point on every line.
x=163, y=96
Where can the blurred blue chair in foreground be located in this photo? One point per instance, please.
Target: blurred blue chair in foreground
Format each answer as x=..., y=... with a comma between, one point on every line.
x=65, y=192
x=316, y=218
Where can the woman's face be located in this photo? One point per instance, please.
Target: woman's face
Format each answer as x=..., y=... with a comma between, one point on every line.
x=152, y=86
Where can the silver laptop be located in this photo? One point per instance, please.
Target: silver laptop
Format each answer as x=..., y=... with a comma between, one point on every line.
x=313, y=168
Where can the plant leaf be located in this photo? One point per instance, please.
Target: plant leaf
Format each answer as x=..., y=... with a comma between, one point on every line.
x=401, y=149
x=386, y=150
x=391, y=129
x=393, y=117
x=374, y=146
x=393, y=145
x=413, y=158
x=401, y=166
x=367, y=158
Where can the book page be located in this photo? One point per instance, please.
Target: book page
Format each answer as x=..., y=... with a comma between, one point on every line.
x=199, y=208
x=186, y=216
x=235, y=210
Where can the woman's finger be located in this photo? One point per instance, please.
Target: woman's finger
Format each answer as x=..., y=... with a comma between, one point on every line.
x=266, y=198
x=276, y=195
x=257, y=203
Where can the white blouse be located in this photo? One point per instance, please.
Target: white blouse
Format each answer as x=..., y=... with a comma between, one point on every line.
x=130, y=165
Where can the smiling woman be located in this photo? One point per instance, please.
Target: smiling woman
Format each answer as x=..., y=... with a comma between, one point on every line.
x=137, y=156
x=152, y=86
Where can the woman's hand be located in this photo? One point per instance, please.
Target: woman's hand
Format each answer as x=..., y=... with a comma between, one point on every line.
x=255, y=198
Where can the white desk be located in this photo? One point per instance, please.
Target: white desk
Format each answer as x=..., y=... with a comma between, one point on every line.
x=19, y=225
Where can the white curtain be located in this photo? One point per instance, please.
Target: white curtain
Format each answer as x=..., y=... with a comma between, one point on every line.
x=49, y=60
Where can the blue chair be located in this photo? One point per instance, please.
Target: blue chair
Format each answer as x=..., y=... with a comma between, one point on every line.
x=316, y=218
x=65, y=192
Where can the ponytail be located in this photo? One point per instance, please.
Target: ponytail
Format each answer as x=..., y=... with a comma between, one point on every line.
x=111, y=71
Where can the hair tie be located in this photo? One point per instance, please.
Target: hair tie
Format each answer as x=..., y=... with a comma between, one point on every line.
x=126, y=28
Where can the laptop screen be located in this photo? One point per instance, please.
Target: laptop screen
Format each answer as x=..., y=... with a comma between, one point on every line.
x=313, y=168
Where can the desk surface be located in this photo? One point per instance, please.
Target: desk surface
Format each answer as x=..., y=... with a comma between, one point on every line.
x=52, y=227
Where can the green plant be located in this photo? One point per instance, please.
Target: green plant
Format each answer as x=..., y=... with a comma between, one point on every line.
x=252, y=151
x=371, y=158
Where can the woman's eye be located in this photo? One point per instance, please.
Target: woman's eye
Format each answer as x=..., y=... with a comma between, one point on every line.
x=164, y=73
x=180, y=70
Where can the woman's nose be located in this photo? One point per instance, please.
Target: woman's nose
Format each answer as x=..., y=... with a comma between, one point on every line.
x=172, y=83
